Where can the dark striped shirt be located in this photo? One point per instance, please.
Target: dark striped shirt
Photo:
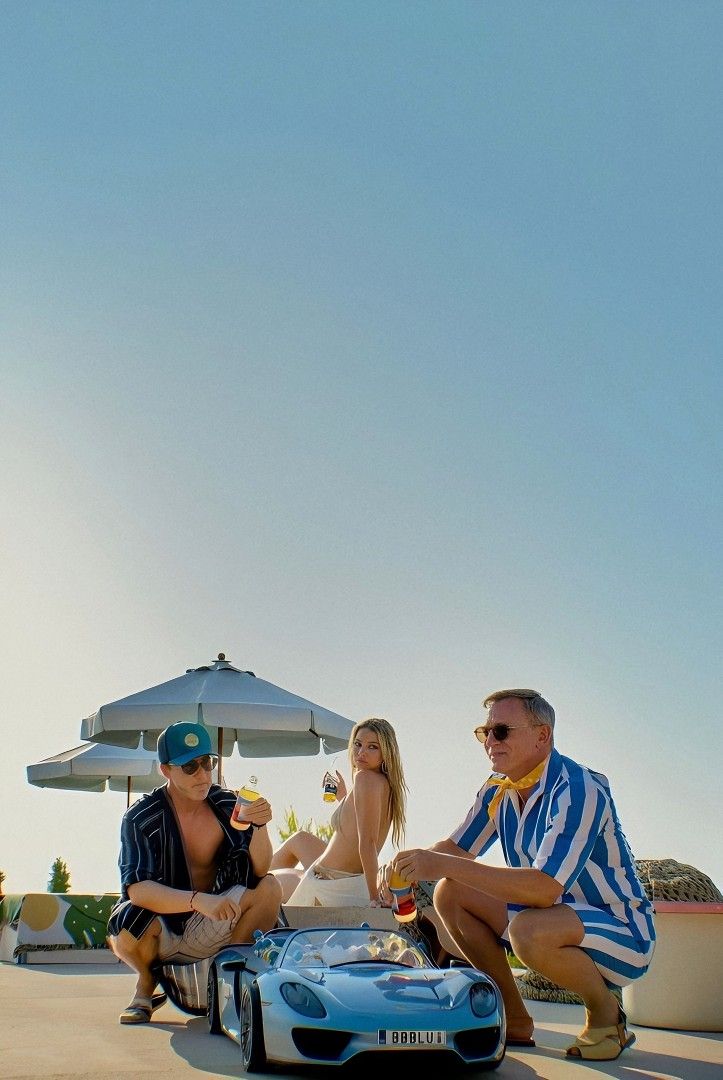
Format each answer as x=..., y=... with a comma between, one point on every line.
x=152, y=850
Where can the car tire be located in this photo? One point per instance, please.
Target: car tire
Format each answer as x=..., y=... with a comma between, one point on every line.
x=253, y=1051
x=212, y=1010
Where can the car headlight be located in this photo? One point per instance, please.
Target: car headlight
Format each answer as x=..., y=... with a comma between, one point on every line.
x=482, y=998
x=302, y=999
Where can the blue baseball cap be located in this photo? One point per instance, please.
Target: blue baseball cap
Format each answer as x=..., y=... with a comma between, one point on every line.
x=182, y=742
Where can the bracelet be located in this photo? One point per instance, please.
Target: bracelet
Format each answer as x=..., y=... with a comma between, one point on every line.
x=190, y=902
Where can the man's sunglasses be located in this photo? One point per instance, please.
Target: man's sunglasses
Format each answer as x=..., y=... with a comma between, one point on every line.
x=499, y=732
x=208, y=762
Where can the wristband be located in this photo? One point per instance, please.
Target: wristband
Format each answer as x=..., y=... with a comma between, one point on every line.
x=190, y=902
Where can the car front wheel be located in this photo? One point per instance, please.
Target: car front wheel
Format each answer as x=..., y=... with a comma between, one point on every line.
x=253, y=1052
x=212, y=1010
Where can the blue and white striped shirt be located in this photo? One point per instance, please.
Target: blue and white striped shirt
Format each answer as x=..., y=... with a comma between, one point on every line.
x=569, y=829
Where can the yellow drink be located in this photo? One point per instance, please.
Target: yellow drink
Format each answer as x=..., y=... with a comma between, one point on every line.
x=404, y=904
x=330, y=787
x=245, y=796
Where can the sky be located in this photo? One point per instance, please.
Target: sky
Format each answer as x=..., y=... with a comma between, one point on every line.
x=377, y=346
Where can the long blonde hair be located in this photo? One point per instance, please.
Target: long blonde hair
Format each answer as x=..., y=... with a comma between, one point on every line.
x=392, y=769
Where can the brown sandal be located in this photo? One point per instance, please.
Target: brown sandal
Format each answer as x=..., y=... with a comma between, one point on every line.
x=140, y=1009
x=603, y=1044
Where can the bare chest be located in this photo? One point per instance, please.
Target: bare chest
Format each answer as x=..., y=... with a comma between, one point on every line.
x=202, y=838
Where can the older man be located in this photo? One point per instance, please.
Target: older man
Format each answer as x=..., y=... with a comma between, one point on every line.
x=568, y=902
x=191, y=883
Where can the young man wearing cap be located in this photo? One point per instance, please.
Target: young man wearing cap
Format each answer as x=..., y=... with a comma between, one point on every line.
x=190, y=883
x=569, y=901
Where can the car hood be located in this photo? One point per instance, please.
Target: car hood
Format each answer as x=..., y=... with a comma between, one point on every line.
x=364, y=985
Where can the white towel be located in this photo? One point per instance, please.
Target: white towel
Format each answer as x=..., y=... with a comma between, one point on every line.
x=346, y=890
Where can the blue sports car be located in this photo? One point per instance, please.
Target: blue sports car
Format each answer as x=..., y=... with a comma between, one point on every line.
x=325, y=995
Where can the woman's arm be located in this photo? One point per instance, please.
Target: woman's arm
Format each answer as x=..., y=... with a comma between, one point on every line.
x=371, y=791
x=301, y=847
x=341, y=786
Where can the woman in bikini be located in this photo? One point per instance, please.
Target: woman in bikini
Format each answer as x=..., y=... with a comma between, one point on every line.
x=343, y=872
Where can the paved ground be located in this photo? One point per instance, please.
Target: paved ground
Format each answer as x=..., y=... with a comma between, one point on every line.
x=62, y=1021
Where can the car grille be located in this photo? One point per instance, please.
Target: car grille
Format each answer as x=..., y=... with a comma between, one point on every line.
x=477, y=1042
x=324, y=1045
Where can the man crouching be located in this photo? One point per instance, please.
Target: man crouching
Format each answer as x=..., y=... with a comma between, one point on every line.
x=190, y=883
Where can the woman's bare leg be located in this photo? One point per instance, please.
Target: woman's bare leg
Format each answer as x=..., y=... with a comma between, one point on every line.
x=301, y=847
x=288, y=880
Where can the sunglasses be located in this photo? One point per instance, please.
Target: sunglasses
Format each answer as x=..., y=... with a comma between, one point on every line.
x=208, y=762
x=499, y=732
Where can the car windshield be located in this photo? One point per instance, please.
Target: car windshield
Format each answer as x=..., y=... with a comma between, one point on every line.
x=326, y=948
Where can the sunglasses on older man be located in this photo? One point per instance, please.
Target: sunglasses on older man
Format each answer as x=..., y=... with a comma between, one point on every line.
x=207, y=762
x=499, y=732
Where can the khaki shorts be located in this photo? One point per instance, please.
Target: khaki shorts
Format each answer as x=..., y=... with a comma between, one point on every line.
x=201, y=937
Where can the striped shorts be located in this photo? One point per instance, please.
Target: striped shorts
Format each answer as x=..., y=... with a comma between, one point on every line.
x=618, y=953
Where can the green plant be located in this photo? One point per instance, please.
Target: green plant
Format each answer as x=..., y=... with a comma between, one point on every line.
x=291, y=824
x=59, y=877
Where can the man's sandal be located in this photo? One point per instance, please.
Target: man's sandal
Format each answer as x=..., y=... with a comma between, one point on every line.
x=603, y=1044
x=141, y=1009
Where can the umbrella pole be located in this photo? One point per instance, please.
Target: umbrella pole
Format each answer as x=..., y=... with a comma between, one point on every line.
x=220, y=756
x=128, y=800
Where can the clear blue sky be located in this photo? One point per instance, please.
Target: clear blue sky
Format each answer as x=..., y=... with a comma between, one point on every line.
x=378, y=346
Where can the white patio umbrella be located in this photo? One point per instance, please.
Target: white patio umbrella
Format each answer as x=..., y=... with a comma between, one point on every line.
x=237, y=708
x=94, y=767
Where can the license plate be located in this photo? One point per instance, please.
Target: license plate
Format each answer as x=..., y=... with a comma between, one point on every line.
x=412, y=1040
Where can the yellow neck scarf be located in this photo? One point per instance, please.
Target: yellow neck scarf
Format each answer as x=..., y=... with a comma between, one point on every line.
x=505, y=784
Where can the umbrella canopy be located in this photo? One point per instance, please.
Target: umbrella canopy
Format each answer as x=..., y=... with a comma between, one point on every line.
x=237, y=708
x=92, y=767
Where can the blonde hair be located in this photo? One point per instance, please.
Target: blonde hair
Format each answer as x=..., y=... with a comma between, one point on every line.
x=541, y=710
x=392, y=769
